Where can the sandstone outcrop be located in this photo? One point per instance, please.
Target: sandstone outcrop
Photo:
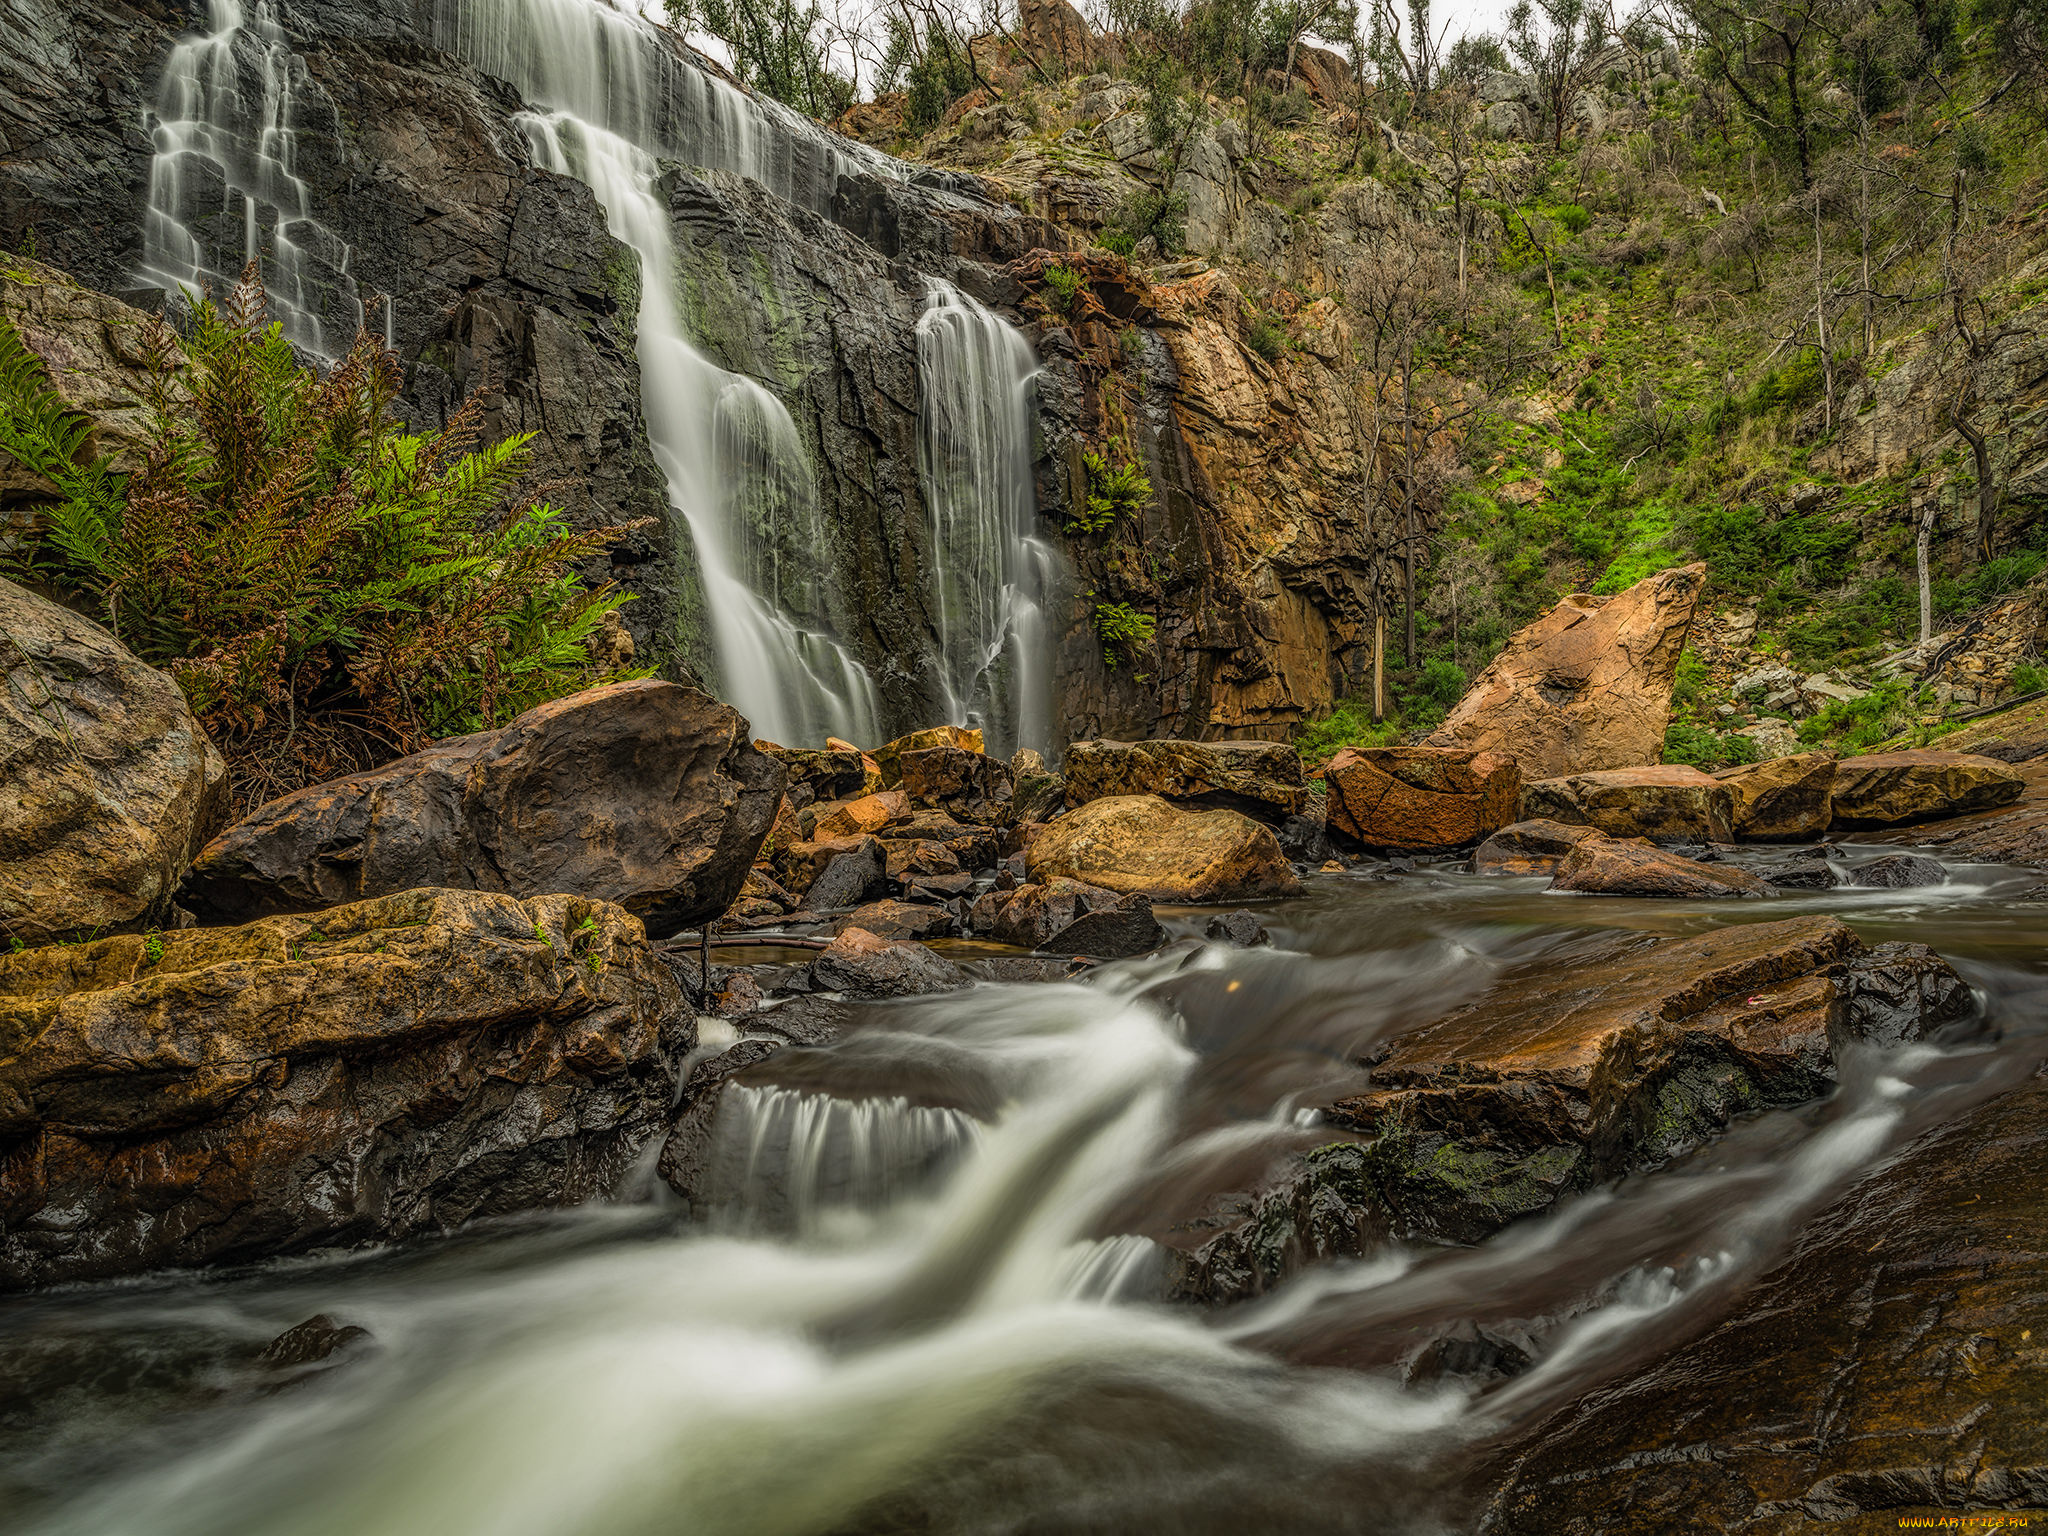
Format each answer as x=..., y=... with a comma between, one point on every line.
x=1630, y=1052
x=644, y=793
x=1139, y=844
x=970, y=787
x=108, y=785
x=1608, y=866
x=1421, y=799
x=1666, y=803
x=1889, y=789
x=1533, y=847
x=1260, y=779
x=1587, y=686
x=385, y=1068
x=1782, y=799
x=1885, y=1372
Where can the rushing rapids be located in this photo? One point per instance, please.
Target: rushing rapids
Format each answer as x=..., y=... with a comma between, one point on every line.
x=935, y=1302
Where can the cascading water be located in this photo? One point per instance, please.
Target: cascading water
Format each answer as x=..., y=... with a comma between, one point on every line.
x=735, y=470
x=990, y=575
x=223, y=188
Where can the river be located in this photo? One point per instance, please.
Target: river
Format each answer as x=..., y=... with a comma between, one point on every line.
x=925, y=1301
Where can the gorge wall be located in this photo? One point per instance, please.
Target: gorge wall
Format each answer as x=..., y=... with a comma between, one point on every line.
x=428, y=145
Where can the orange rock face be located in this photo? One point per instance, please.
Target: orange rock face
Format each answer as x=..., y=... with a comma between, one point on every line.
x=1420, y=799
x=1587, y=686
x=1529, y=848
x=1607, y=866
x=1669, y=802
x=1783, y=799
x=867, y=815
x=1887, y=789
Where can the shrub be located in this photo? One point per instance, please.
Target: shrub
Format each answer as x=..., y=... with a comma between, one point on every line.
x=1123, y=631
x=1119, y=240
x=1704, y=748
x=1114, y=491
x=1856, y=724
x=1064, y=285
x=2028, y=678
x=327, y=588
x=1268, y=336
x=1162, y=215
x=938, y=77
x=1349, y=725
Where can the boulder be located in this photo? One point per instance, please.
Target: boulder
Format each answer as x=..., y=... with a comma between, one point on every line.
x=1899, y=871
x=1587, y=686
x=1037, y=793
x=1139, y=844
x=646, y=793
x=1421, y=799
x=1607, y=866
x=1622, y=1052
x=863, y=964
x=861, y=817
x=900, y=920
x=802, y=863
x=1240, y=930
x=1784, y=799
x=908, y=857
x=1030, y=915
x=390, y=1067
x=1888, y=789
x=1261, y=779
x=1896, y=994
x=889, y=759
x=1128, y=928
x=1807, y=870
x=1666, y=803
x=830, y=773
x=970, y=787
x=1885, y=1374
x=849, y=879
x=1529, y=848
x=110, y=784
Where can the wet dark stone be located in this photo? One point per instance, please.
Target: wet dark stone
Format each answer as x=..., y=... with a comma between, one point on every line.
x=1899, y=871
x=862, y=965
x=1322, y=1207
x=1129, y=928
x=1472, y=1352
x=1241, y=929
x=318, y=1337
x=1306, y=841
x=847, y=881
x=1899, y=992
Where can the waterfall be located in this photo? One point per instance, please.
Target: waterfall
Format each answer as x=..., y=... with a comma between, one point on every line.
x=784, y=1159
x=735, y=469
x=990, y=574
x=223, y=190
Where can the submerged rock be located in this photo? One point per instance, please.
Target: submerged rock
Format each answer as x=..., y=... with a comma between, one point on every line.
x=645, y=793
x=110, y=784
x=1128, y=928
x=1887, y=1370
x=1586, y=687
x=1899, y=871
x=1139, y=844
x=1888, y=789
x=864, y=964
x=1260, y=779
x=1665, y=803
x=1421, y=799
x=392, y=1067
x=1241, y=930
x=1607, y=866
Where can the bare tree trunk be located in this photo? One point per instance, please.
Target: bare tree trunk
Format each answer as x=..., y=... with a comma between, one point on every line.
x=1863, y=221
x=1920, y=550
x=1408, y=499
x=1987, y=493
x=1820, y=326
x=1379, y=666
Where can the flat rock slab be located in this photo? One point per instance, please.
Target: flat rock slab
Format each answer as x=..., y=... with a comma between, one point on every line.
x=1534, y=847
x=1607, y=866
x=1890, y=1368
x=1421, y=799
x=1140, y=845
x=1665, y=803
x=645, y=793
x=108, y=785
x=1888, y=789
x=1627, y=1051
x=1261, y=779
x=391, y=1067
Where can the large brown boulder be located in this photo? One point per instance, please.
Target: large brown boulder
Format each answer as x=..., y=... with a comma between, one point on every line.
x=1886, y=1373
x=645, y=793
x=1587, y=686
x=1421, y=799
x=1608, y=866
x=889, y=758
x=1667, y=803
x=970, y=787
x=1888, y=789
x=1637, y=1048
x=1529, y=848
x=1783, y=799
x=107, y=784
x=390, y=1067
x=1140, y=844
x=1261, y=779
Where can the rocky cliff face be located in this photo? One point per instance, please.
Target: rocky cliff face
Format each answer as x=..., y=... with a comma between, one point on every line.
x=505, y=281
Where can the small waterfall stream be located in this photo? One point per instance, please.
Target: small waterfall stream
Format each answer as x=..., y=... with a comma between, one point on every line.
x=223, y=188
x=991, y=574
